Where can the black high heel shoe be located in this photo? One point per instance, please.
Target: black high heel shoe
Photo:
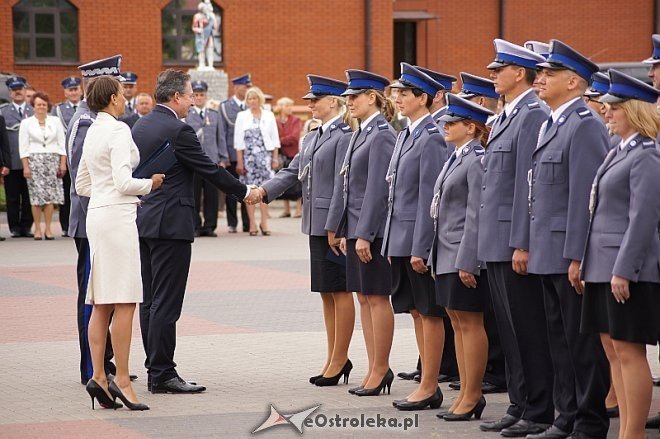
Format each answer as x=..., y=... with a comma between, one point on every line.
x=334, y=380
x=96, y=391
x=313, y=379
x=434, y=401
x=354, y=389
x=477, y=410
x=114, y=391
x=386, y=382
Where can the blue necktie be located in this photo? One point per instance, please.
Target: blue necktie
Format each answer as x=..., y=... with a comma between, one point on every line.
x=549, y=124
x=20, y=112
x=452, y=159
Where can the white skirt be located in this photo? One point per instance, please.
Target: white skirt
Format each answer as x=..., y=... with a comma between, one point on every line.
x=114, y=251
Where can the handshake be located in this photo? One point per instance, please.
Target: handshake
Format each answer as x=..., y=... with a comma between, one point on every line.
x=255, y=196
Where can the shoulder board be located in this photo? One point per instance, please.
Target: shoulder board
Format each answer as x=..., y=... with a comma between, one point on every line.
x=583, y=112
x=479, y=151
x=213, y=110
x=648, y=143
x=432, y=128
x=383, y=126
x=345, y=127
x=533, y=105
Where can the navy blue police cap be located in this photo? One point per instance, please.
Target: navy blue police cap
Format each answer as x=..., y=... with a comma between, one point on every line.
x=320, y=86
x=361, y=80
x=130, y=78
x=15, y=82
x=655, y=58
x=245, y=79
x=624, y=87
x=445, y=80
x=106, y=66
x=507, y=53
x=70, y=82
x=477, y=86
x=462, y=109
x=412, y=77
x=562, y=57
x=539, y=47
x=600, y=83
x=200, y=86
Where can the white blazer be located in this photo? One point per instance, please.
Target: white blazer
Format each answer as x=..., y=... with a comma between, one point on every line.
x=267, y=124
x=106, y=167
x=33, y=140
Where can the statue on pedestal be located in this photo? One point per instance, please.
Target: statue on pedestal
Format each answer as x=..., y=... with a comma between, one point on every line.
x=204, y=27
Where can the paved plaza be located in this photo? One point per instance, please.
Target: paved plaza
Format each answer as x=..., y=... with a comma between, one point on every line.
x=250, y=331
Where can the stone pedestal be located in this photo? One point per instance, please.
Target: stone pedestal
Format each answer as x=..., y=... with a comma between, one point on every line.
x=217, y=81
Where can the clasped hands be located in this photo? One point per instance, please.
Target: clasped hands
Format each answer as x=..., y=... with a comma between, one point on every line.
x=255, y=196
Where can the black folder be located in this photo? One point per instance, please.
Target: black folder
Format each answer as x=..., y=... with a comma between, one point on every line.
x=157, y=163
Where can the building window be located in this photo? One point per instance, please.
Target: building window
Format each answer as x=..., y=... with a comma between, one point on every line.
x=45, y=31
x=405, y=44
x=178, y=36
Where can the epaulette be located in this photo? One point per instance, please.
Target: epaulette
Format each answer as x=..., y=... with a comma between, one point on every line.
x=648, y=143
x=432, y=128
x=479, y=151
x=3, y=105
x=583, y=112
x=212, y=109
x=533, y=105
x=344, y=127
x=383, y=125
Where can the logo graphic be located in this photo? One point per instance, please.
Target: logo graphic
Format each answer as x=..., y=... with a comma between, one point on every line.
x=294, y=419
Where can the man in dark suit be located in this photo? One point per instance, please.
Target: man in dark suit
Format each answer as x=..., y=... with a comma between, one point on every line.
x=4, y=152
x=144, y=105
x=166, y=225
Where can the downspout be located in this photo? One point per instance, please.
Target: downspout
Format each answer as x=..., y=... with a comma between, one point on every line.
x=367, y=35
x=501, y=19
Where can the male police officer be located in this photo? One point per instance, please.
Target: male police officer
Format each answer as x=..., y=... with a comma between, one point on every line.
x=209, y=129
x=439, y=106
x=19, y=210
x=129, y=84
x=560, y=181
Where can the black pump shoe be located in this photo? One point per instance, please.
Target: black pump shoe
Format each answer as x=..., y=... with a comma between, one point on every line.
x=477, y=410
x=96, y=391
x=334, y=380
x=313, y=379
x=386, y=382
x=116, y=392
x=434, y=401
x=355, y=389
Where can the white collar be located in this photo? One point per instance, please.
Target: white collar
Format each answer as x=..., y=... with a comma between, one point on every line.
x=326, y=125
x=508, y=108
x=562, y=108
x=21, y=106
x=460, y=149
x=434, y=115
x=238, y=101
x=173, y=112
x=72, y=104
x=199, y=110
x=368, y=120
x=415, y=124
x=625, y=143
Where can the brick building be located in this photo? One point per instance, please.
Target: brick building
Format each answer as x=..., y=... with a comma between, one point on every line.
x=281, y=41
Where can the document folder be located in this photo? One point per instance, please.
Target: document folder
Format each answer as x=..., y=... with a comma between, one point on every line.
x=157, y=163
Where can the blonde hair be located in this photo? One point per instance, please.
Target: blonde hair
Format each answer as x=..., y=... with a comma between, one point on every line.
x=384, y=104
x=343, y=111
x=258, y=93
x=284, y=101
x=642, y=116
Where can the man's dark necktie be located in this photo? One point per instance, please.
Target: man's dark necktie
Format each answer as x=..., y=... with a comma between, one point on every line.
x=201, y=114
x=130, y=107
x=20, y=112
x=75, y=107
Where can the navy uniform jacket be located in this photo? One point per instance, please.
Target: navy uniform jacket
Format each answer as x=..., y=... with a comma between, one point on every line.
x=75, y=137
x=228, y=110
x=318, y=166
x=4, y=144
x=65, y=111
x=13, y=123
x=623, y=235
x=440, y=123
x=504, y=216
x=169, y=212
x=133, y=110
x=414, y=167
x=130, y=120
x=365, y=189
x=455, y=212
x=210, y=133
x=563, y=167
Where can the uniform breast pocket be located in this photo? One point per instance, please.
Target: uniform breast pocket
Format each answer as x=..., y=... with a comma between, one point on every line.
x=407, y=214
x=502, y=157
x=322, y=203
x=552, y=169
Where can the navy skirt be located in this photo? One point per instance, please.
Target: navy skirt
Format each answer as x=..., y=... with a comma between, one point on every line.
x=327, y=272
x=373, y=278
x=412, y=290
x=453, y=295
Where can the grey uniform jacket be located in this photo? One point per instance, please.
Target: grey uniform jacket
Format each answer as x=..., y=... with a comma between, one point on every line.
x=75, y=137
x=318, y=166
x=436, y=118
x=364, y=186
x=13, y=122
x=504, y=216
x=228, y=110
x=623, y=235
x=455, y=213
x=65, y=112
x=210, y=132
x=563, y=167
x=414, y=167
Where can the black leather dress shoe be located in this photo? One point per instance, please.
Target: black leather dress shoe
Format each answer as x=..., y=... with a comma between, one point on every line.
x=176, y=385
x=551, y=433
x=456, y=385
x=16, y=234
x=487, y=388
x=612, y=412
x=499, y=425
x=524, y=427
x=653, y=423
x=442, y=378
x=27, y=235
x=656, y=381
x=209, y=233
x=2, y=238
x=408, y=375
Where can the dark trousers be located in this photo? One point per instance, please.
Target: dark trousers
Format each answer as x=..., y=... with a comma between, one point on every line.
x=19, y=210
x=520, y=316
x=206, y=202
x=66, y=207
x=496, y=364
x=582, y=375
x=84, y=313
x=230, y=202
x=165, y=266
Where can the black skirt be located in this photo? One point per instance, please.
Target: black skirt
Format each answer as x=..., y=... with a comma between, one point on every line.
x=373, y=278
x=636, y=321
x=327, y=273
x=453, y=295
x=411, y=290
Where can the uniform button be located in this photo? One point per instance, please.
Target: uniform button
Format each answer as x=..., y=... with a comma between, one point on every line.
x=485, y=169
x=637, y=271
x=533, y=199
x=534, y=181
x=534, y=162
x=532, y=217
x=483, y=187
x=482, y=206
x=372, y=233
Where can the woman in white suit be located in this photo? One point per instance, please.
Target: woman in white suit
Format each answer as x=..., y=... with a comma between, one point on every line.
x=115, y=283
x=257, y=142
x=42, y=149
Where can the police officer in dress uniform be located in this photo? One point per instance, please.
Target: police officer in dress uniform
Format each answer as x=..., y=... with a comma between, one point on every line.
x=129, y=85
x=439, y=107
x=654, y=61
x=600, y=83
x=19, y=211
x=418, y=156
x=75, y=138
x=622, y=256
x=4, y=152
x=65, y=111
x=209, y=129
x=559, y=186
x=229, y=109
x=504, y=237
